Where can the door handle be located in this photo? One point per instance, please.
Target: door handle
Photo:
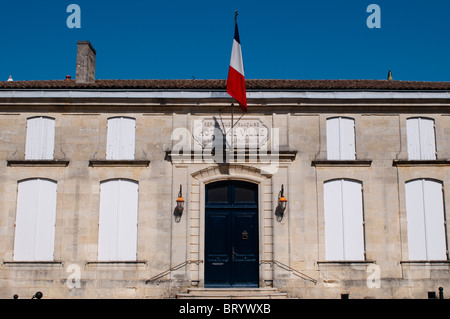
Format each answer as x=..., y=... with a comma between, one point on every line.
x=233, y=253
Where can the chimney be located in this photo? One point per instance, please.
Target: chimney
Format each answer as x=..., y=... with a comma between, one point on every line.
x=85, y=62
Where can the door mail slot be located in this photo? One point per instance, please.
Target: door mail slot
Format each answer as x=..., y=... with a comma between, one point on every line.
x=217, y=264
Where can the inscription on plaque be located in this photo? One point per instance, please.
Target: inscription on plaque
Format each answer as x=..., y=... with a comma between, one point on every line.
x=248, y=133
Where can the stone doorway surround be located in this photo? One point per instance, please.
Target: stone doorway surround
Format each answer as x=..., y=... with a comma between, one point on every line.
x=196, y=218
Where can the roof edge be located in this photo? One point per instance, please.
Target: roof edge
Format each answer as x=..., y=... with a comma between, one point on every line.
x=220, y=85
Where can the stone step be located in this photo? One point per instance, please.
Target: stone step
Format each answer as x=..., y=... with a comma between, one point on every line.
x=223, y=296
x=231, y=293
x=233, y=290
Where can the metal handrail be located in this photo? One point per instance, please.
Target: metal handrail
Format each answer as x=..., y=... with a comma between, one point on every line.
x=271, y=262
x=176, y=267
x=288, y=268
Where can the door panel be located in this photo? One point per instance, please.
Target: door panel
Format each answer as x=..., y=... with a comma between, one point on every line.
x=217, y=263
x=245, y=248
x=231, y=235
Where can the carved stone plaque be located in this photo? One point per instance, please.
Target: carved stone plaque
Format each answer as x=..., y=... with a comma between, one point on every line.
x=248, y=133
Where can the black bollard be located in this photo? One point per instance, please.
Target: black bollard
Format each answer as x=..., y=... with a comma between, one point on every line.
x=37, y=295
x=441, y=293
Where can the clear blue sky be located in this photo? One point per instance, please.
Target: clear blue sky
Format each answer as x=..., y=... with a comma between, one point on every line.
x=282, y=39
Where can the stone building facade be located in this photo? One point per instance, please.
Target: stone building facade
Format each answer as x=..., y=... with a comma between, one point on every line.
x=363, y=165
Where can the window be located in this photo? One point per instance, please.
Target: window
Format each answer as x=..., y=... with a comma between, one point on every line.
x=425, y=220
x=40, y=140
x=217, y=193
x=421, y=139
x=121, y=138
x=341, y=138
x=35, y=220
x=343, y=207
x=118, y=220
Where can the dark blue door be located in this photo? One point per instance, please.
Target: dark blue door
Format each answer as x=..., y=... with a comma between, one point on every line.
x=231, y=234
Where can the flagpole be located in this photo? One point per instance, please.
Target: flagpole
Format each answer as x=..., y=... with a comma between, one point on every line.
x=232, y=130
x=232, y=104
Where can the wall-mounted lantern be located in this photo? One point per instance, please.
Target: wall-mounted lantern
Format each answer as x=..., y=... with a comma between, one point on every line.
x=180, y=206
x=282, y=203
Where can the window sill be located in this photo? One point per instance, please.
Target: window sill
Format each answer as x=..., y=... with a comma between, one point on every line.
x=407, y=163
x=342, y=163
x=116, y=262
x=345, y=262
x=33, y=263
x=37, y=163
x=425, y=262
x=119, y=163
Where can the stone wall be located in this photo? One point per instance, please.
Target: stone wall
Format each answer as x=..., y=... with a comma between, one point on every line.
x=297, y=242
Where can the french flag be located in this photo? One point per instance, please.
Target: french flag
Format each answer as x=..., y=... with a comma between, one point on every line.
x=236, y=78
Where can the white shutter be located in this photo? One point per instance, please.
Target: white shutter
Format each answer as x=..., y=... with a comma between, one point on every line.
x=121, y=138
x=35, y=220
x=347, y=139
x=128, y=137
x=413, y=137
x=341, y=139
x=109, y=201
x=427, y=139
x=434, y=220
x=333, y=139
x=127, y=215
x=26, y=220
x=352, y=220
x=112, y=139
x=118, y=220
x=45, y=230
x=425, y=220
x=344, y=230
x=48, y=138
x=40, y=140
x=334, y=247
x=32, y=141
x=421, y=139
x=415, y=220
